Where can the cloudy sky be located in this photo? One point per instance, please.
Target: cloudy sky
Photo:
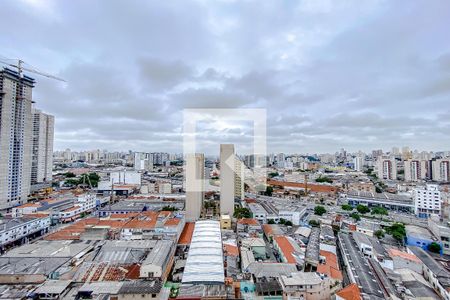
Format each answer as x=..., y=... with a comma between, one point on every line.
x=331, y=74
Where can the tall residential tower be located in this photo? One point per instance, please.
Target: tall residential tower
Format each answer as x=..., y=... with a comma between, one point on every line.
x=195, y=175
x=42, y=150
x=227, y=163
x=15, y=138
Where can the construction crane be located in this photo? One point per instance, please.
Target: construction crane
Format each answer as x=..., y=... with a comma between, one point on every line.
x=19, y=65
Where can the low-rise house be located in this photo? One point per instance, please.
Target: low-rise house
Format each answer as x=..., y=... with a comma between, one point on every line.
x=84, y=204
x=272, y=230
x=231, y=258
x=249, y=226
x=305, y=285
x=289, y=250
x=225, y=222
x=257, y=245
x=158, y=262
x=329, y=266
x=405, y=260
x=434, y=272
x=258, y=212
x=260, y=270
x=18, y=230
x=131, y=290
x=350, y=292
x=367, y=227
x=418, y=236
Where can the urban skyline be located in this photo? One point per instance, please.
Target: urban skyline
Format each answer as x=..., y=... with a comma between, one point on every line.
x=205, y=150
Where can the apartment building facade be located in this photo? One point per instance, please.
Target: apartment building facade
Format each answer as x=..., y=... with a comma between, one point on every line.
x=42, y=148
x=15, y=138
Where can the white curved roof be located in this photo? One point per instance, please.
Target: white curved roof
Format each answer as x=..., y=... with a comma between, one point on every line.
x=205, y=258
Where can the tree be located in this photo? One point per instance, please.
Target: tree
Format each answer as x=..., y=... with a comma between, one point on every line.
x=271, y=221
x=319, y=210
x=242, y=212
x=398, y=231
x=169, y=208
x=378, y=189
x=71, y=181
x=282, y=221
x=269, y=191
x=324, y=179
x=93, y=178
x=314, y=223
x=273, y=174
x=347, y=207
x=379, y=233
x=355, y=216
x=69, y=175
x=362, y=209
x=434, y=247
x=288, y=223
x=379, y=211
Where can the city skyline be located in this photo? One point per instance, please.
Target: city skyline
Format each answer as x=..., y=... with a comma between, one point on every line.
x=359, y=75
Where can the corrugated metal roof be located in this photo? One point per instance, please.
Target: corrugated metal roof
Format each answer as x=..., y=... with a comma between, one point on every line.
x=205, y=259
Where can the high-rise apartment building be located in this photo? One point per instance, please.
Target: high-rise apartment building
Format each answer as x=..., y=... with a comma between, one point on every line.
x=281, y=160
x=387, y=168
x=416, y=170
x=239, y=179
x=160, y=158
x=376, y=154
x=143, y=161
x=441, y=170
x=195, y=190
x=427, y=201
x=67, y=155
x=227, y=160
x=406, y=153
x=358, y=163
x=15, y=138
x=42, y=149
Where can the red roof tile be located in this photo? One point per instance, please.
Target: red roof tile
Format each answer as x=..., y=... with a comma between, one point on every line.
x=312, y=187
x=186, y=235
x=286, y=247
x=248, y=221
x=231, y=250
x=331, y=266
x=350, y=292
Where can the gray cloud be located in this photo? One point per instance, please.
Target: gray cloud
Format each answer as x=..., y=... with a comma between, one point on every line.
x=353, y=74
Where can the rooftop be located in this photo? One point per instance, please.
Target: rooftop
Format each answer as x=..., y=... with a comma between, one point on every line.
x=441, y=273
x=141, y=287
x=286, y=247
x=30, y=265
x=350, y=292
x=405, y=255
x=205, y=258
x=51, y=249
x=301, y=278
x=382, y=197
x=271, y=270
x=186, y=234
x=330, y=267
x=248, y=221
x=53, y=287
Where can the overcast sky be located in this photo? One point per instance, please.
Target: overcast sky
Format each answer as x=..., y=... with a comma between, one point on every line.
x=331, y=74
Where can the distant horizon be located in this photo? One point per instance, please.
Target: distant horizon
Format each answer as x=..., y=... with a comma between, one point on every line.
x=269, y=153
